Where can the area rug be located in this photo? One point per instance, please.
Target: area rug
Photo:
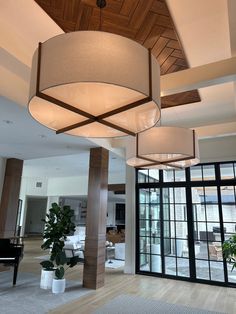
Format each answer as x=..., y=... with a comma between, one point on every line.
x=27, y=297
x=114, y=263
x=130, y=304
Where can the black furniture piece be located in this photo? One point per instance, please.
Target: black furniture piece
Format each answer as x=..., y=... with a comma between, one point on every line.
x=11, y=253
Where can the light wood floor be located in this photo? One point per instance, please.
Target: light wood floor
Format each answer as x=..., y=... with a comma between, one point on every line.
x=116, y=282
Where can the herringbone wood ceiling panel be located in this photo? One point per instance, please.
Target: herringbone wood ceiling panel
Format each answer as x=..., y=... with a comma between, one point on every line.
x=145, y=21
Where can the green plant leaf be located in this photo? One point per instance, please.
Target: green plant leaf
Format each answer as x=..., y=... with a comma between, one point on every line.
x=48, y=265
x=59, y=273
x=73, y=261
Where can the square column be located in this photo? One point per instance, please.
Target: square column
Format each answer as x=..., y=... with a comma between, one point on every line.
x=94, y=255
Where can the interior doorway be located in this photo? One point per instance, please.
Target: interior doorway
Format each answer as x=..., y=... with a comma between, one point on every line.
x=36, y=210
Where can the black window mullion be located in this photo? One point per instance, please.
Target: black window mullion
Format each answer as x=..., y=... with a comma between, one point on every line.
x=191, y=242
x=218, y=180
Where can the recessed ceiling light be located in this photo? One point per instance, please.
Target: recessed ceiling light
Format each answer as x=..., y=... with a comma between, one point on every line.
x=42, y=136
x=8, y=121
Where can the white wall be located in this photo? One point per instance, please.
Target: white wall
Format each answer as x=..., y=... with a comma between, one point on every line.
x=2, y=173
x=218, y=149
x=28, y=188
x=68, y=186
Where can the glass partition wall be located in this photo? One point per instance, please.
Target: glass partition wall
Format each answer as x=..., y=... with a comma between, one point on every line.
x=183, y=217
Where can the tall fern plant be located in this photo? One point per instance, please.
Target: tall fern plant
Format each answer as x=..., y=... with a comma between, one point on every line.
x=58, y=225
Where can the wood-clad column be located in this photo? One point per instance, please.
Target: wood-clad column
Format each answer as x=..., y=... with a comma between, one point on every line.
x=94, y=265
x=10, y=197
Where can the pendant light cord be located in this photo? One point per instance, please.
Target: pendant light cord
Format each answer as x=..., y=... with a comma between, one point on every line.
x=101, y=4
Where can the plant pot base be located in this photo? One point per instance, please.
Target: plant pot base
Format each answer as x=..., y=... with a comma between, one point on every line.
x=58, y=286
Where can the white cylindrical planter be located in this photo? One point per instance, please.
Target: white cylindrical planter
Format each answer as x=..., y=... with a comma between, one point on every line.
x=58, y=285
x=46, y=279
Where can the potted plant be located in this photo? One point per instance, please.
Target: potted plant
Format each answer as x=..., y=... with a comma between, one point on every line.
x=229, y=250
x=58, y=225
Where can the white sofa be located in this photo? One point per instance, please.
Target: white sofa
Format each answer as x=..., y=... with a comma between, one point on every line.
x=120, y=251
x=74, y=245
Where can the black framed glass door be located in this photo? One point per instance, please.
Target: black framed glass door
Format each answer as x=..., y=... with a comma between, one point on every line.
x=183, y=218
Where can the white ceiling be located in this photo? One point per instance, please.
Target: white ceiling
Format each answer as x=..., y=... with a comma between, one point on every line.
x=207, y=31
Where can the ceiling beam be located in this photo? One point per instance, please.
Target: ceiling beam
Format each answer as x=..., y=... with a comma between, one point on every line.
x=202, y=76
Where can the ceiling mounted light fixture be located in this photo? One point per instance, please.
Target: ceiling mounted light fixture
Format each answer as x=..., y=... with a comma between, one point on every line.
x=94, y=84
x=163, y=148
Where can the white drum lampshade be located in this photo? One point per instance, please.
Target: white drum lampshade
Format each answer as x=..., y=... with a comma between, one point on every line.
x=163, y=148
x=94, y=84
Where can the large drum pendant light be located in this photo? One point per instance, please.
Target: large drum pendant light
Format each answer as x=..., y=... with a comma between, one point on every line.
x=94, y=84
x=163, y=148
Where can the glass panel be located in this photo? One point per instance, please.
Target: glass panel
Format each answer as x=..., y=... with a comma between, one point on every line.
x=229, y=212
x=181, y=230
x=197, y=248
x=199, y=212
x=212, y=212
x=180, y=195
x=208, y=172
x=169, y=247
x=172, y=212
x=144, y=262
x=144, y=245
x=153, y=175
x=196, y=173
x=169, y=229
x=202, y=269
x=227, y=171
x=156, y=240
x=168, y=175
x=155, y=212
x=183, y=267
x=231, y=273
x=229, y=230
x=203, y=250
x=213, y=228
x=180, y=212
x=144, y=227
x=227, y=194
x=170, y=265
x=197, y=194
x=167, y=195
x=202, y=232
x=155, y=263
x=211, y=195
x=217, y=271
x=144, y=212
x=144, y=196
x=181, y=248
x=166, y=210
x=215, y=251
x=155, y=195
x=143, y=176
x=180, y=175
x=155, y=224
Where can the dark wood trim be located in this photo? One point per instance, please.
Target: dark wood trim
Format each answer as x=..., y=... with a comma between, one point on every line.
x=111, y=125
x=38, y=67
x=124, y=108
x=74, y=126
x=64, y=105
x=117, y=188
